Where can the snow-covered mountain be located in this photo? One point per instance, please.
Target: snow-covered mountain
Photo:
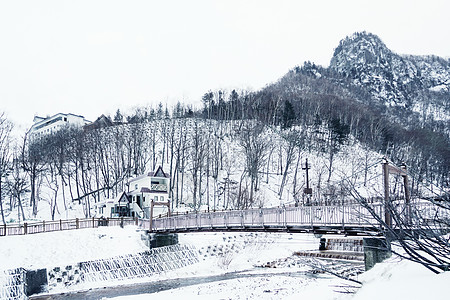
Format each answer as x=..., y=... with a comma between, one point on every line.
x=401, y=101
x=392, y=79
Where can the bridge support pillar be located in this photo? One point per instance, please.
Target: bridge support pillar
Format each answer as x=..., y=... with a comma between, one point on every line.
x=323, y=244
x=156, y=240
x=375, y=250
x=35, y=281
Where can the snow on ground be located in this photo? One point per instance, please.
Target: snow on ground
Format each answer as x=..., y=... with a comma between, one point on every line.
x=244, y=250
x=222, y=253
x=247, y=253
x=391, y=280
x=71, y=246
x=260, y=287
x=402, y=279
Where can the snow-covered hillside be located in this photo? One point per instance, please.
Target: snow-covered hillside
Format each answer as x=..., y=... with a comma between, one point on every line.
x=281, y=179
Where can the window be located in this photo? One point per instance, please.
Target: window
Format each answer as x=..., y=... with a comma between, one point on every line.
x=162, y=198
x=156, y=198
x=136, y=186
x=112, y=210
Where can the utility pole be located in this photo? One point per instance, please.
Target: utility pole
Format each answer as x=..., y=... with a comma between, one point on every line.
x=307, y=190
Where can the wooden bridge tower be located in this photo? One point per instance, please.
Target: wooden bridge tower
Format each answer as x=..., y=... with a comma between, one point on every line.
x=391, y=169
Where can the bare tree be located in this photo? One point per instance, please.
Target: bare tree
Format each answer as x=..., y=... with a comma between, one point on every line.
x=338, y=132
x=117, y=150
x=5, y=155
x=18, y=186
x=33, y=162
x=197, y=155
x=420, y=228
x=180, y=160
x=53, y=186
x=254, y=146
x=293, y=141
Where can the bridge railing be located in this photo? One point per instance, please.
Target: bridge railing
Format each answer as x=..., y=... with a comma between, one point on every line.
x=281, y=217
x=351, y=215
x=355, y=215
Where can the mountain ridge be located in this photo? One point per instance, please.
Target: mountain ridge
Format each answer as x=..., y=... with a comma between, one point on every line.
x=392, y=79
x=398, y=105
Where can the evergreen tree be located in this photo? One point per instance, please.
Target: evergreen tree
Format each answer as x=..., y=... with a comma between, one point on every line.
x=118, y=118
x=288, y=115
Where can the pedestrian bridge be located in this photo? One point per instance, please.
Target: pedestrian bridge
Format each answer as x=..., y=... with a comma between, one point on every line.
x=349, y=220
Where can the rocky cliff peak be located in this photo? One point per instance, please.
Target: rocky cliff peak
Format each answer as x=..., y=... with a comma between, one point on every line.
x=392, y=79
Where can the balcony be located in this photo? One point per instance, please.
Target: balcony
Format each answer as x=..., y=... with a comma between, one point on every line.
x=158, y=187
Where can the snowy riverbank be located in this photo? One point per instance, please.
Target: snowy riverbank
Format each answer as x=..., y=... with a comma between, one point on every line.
x=390, y=280
x=244, y=254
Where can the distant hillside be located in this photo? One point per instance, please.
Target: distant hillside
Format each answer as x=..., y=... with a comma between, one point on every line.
x=397, y=105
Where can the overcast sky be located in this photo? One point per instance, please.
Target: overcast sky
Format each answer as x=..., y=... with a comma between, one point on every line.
x=93, y=57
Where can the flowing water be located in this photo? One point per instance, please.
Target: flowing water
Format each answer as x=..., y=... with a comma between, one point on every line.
x=158, y=286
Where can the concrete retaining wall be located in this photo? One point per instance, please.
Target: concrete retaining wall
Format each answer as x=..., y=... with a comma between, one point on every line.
x=12, y=284
x=118, y=268
x=156, y=240
x=347, y=245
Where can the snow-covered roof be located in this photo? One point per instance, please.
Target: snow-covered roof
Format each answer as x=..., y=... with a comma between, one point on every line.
x=120, y=199
x=159, y=173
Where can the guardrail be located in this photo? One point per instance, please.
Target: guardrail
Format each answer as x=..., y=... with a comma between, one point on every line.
x=49, y=226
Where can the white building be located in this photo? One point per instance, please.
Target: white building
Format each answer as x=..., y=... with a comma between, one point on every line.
x=43, y=126
x=113, y=208
x=142, y=190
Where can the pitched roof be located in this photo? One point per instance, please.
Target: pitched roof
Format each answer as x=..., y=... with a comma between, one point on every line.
x=159, y=173
x=123, y=198
x=101, y=122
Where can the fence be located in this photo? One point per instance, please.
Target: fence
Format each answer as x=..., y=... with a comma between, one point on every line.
x=49, y=226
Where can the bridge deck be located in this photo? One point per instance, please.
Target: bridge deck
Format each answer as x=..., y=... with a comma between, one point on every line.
x=346, y=230
x=348, y=220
